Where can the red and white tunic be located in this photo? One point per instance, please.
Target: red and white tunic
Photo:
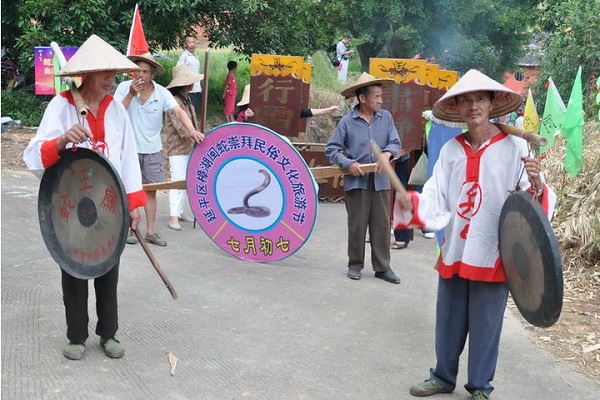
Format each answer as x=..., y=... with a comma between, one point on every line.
x=465, y=196
x=111, y=128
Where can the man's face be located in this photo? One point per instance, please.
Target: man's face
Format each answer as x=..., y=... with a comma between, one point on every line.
x=100, y=82
x=346, y=40
x=146, y=73
x=474, y=107
x=190, y=44
x=372, y=100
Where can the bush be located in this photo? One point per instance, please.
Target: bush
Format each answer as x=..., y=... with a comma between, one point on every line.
x=22, y=105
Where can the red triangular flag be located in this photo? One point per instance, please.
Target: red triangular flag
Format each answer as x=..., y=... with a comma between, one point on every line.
x=137, y=40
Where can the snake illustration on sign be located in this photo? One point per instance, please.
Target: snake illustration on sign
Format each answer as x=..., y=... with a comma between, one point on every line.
x=252, y=192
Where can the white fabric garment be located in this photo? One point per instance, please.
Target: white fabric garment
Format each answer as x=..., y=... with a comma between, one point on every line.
x=470, y=210
x=177, y=197
x=60, y=116
x=191, y=60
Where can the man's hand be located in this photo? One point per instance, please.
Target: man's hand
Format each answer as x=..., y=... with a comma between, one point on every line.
x=404, y=201
x=134, y=219
x=533, y=169
x=76, y=135
x=355, y=170
x=136, y=86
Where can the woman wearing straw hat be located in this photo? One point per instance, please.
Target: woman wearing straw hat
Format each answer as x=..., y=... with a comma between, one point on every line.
x=178, y=141
x=106, y=126
x=367, y=196
x=471, y=180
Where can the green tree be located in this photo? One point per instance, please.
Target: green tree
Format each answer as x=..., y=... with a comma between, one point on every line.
x=572, y=30
x=482, y=34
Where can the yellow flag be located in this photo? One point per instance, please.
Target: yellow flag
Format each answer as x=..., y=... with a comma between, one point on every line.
x=531, y=121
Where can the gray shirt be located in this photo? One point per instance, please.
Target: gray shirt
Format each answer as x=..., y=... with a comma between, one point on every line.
x=350, y=142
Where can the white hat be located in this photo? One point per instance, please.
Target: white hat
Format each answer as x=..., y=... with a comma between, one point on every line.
x=95, y=55
x=245, y=96
x=505, y=100
x=183, y=76
x=366, y=80
x=147, y=57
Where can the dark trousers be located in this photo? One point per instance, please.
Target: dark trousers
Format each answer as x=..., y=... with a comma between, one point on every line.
x=75, y=298
x=401, y=168
x=474, y=309
x=195, y=100
x=368, y=208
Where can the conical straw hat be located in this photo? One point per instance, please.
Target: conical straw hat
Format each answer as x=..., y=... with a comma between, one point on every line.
x=245, y=96
x=96, y=55
x=505, y=100
x=147, y=57
x=183, y=76
x=366, y=80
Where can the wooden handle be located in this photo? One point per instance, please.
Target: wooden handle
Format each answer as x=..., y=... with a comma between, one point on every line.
x=328, y=171
x=387, y=168
x=529, y=136
x=155, y=264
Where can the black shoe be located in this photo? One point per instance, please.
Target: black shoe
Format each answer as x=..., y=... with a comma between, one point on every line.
x=354, y=274
x=388, y=276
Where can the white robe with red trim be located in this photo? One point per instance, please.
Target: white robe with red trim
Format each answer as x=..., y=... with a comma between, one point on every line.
x=465, y=196
x=60, y=116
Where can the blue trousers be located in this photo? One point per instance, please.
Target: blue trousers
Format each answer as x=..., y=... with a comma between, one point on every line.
x=474, y=309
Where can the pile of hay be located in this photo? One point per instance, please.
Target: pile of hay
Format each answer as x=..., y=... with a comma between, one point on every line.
x=577, y=217
x=575, y=338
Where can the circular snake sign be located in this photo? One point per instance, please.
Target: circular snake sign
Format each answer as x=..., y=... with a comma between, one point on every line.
x=252, y=192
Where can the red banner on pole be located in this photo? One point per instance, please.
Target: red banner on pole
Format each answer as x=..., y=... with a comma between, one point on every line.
x=137, y=40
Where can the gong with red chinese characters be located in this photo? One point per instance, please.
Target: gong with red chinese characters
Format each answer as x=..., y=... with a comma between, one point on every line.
x=83, y=213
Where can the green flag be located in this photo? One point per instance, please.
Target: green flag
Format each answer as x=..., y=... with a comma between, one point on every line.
x=554, y=115
x=572, y=129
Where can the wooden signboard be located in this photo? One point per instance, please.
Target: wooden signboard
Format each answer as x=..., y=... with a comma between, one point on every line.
x=277, y=92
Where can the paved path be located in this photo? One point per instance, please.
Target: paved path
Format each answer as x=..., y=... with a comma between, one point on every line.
x=297, y=329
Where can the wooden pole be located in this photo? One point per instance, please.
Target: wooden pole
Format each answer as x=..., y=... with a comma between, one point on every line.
x=204, y=91
x=155, y=264
x=387, y=169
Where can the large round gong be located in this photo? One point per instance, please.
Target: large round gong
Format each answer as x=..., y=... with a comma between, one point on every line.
x=531, y=259
x=83, y=213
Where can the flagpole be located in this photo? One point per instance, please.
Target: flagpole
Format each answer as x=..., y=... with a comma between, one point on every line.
x=129, y=43
x=204, y=91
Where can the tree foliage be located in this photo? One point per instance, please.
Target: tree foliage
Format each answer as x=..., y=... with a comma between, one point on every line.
x=484, y=34
x=572, y=30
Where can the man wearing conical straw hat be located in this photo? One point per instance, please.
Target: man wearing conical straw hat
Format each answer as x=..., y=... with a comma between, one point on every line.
x=367, y=195
x=106, y=129
x=472, y=178
x=146, y=102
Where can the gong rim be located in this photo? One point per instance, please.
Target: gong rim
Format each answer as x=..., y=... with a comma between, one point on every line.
x=84, y=230
x=531, y=259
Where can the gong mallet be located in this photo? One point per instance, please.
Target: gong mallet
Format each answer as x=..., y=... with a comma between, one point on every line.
x=387, y=168
x=155, y=264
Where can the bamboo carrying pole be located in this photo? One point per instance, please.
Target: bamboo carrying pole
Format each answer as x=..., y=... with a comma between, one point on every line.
x=79, y=103
x=317, y=172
